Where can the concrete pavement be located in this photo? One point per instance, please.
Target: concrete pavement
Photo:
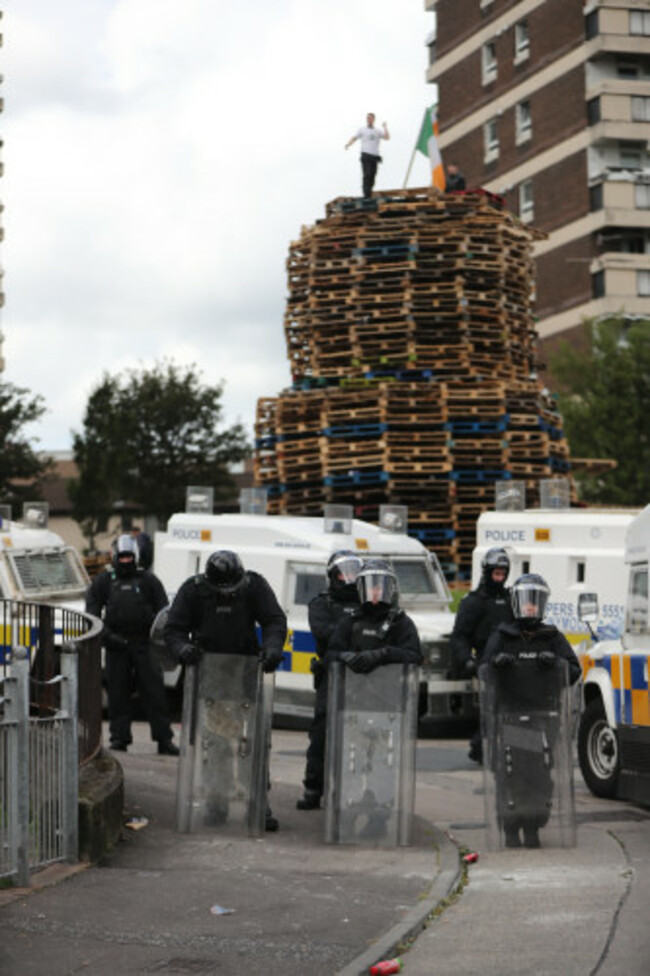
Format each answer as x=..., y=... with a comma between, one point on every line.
x=300, y=906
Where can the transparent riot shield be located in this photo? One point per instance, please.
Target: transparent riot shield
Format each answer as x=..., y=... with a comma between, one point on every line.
x=527, y=755
x=370, y=755
x=225, y=739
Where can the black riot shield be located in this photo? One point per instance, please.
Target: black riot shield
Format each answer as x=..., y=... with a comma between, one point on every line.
x=225, y=739
x=527, y=755
x=370, y=755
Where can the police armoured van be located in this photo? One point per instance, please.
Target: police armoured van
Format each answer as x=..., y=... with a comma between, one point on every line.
x=576, y=550
x=614, y=733
x=36, y=566
x=291, y=552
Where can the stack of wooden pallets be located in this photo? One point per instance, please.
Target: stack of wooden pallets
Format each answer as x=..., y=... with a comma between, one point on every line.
x=412, y=347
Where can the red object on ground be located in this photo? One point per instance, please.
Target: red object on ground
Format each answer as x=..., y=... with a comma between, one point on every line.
x=386, y=967
x=471, y=858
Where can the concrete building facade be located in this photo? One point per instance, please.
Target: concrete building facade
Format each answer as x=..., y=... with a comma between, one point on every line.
x=547, y=102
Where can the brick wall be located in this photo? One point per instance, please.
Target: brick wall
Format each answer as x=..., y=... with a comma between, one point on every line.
x=557, y=111
x=555, y=28
x=563, y=278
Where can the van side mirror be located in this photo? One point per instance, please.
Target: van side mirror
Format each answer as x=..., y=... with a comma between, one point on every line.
x=588, y=608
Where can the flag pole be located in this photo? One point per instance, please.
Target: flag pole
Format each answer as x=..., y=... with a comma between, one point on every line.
x=408, y=172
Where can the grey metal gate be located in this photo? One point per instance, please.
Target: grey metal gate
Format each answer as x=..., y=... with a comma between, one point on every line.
x=39, y=772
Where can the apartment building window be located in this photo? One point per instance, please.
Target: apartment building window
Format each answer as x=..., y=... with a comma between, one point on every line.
x=523, y=123
x=642, y=196
x=591, y=24
x=598, y=284
x=627, y=69
x=522, y=41
x=640, y=108
x=643, y=284
x=489, y=62
x=630, y=155
x=491, y=140
x=596, y=197
x=526, y=201
x=640, y=22
x=593, y=111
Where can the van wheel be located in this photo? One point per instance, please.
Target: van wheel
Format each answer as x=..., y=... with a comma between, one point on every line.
x=598, y=751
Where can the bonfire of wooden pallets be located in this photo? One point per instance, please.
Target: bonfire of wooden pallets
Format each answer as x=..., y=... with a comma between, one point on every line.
x=412, y=347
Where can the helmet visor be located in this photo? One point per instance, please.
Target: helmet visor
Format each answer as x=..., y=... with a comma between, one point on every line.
x=529, y=601
x=347, y=567
x=377, y=587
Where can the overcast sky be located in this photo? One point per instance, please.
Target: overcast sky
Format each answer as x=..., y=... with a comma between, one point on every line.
x=159, y=159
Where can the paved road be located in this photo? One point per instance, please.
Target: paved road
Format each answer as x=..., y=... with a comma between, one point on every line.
x=302, y=907
x=577, y=912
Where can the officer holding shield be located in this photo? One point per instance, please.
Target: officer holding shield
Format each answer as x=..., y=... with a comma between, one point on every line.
x=325, y=611
x=216, y=612
x=531, y=663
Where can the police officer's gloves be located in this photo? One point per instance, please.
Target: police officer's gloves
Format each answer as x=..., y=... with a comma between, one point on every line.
x=502, y=661
x=470, y=667
x=546, y=659
x=363, y=662
x=271, y=660
x=189, y=654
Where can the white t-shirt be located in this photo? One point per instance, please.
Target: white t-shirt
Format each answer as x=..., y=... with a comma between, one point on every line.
x=370, y=138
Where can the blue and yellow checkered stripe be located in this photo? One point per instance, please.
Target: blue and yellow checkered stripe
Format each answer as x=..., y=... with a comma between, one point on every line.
x=299, y=649
x=629, y=677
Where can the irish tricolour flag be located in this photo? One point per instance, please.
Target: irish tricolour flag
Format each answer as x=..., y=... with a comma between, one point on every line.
x=428, y=144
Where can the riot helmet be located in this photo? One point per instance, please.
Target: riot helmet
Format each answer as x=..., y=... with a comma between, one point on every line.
x=125, y=555
x=529, y=597
x=224, y=572
x=495, y=559
x=343, y=567
x=377, y=584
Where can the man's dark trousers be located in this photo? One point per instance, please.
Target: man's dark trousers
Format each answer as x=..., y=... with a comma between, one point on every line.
x=369, y=163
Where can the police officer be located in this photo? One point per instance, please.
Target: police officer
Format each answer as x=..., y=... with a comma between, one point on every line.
x=129, y=598
x=216, y=612
x=378, y=632
x=519, y=650
x=325, y=611
x=478, y=614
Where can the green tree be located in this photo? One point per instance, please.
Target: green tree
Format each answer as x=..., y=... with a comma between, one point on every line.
x=21, y=469
x=145, y=438
x=605, y=403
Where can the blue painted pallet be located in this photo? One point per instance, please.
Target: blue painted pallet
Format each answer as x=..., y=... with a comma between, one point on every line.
x=468, y=477
x=477, y=426
x=410, y=375
x=314, y=382
x=355, y=430
x=363, y=203
x=432, y=535
x=356, y=478
x=269, y=441
x=385, y=250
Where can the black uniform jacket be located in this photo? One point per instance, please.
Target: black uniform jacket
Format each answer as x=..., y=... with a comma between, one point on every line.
x=226, y=626
x=128, y=604
x=479, y=613
x=325, y=613
x=526, y=646
x=362, y=631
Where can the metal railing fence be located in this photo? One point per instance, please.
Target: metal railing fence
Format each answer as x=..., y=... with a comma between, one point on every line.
x=50, y=724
